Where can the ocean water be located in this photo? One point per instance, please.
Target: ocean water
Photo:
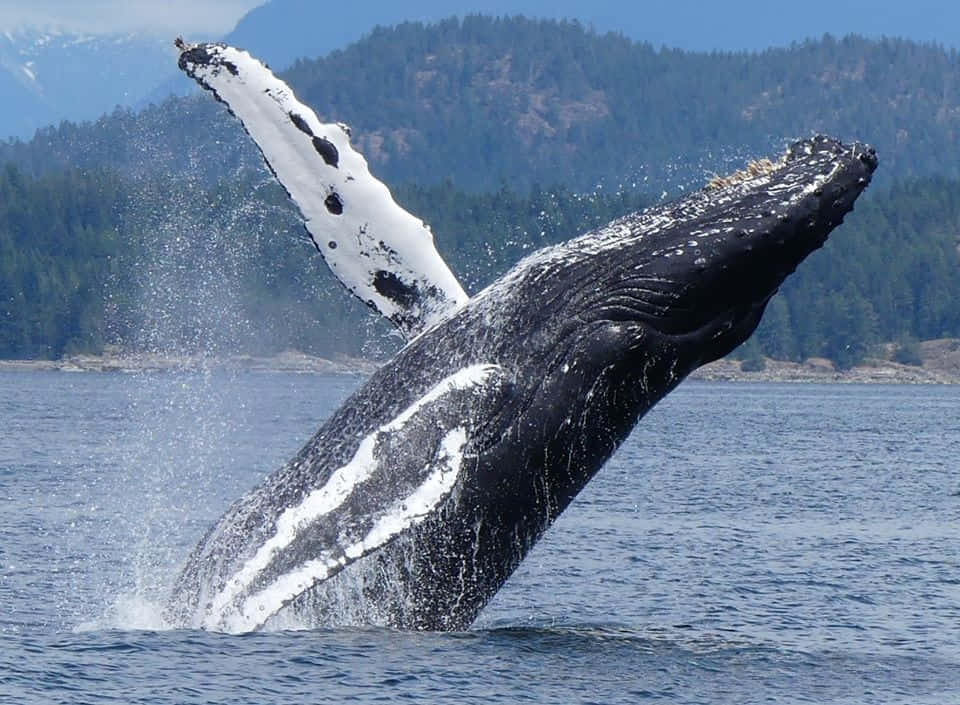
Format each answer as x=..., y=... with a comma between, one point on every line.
x=749, y=544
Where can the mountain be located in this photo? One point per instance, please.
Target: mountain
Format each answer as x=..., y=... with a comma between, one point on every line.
x=49, y=76
x=282, y=31
x=487, y=101
x=483, y=100
x=17, y=92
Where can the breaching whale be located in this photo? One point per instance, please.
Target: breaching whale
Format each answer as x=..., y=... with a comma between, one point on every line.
x=420, y=495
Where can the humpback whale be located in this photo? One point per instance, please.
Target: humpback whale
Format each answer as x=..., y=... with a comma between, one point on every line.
x=416, y=500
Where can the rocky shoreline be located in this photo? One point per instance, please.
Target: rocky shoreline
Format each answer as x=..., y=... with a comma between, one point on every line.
x=940, y=365
x=822, y=371
x=290, y=361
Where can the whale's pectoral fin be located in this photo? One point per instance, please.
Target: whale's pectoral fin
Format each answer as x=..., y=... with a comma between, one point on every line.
x=400, y=474
x=380, y=252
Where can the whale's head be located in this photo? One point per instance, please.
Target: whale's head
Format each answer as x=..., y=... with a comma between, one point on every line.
x=597, y=330
x=691, y=278
x=708, y=264
x=613, y=320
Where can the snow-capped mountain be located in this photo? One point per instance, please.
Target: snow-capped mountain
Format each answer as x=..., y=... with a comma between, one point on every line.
x=280, y=31
x=49, y=76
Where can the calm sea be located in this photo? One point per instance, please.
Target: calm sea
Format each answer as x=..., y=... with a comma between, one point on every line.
x=750, y=543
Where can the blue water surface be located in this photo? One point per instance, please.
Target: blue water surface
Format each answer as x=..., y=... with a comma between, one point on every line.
x=749, y=543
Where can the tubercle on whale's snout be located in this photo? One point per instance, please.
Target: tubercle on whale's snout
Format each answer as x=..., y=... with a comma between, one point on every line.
x=851, y=165
x=821, y=143
x=866, y=154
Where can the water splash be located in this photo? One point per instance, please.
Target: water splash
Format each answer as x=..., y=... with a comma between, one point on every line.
x=174, y=451
x=127, y=613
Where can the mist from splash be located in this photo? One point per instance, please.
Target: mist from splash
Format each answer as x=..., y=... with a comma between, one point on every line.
x=188, y=315
x=196, y=267
x=184, y=452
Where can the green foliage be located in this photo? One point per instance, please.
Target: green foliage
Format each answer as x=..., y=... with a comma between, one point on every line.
x=891, y=271
x=155, y=265
x=162, y=228
x=907, y=352
x=522, y=99
x=59, y=255
x=86, y=259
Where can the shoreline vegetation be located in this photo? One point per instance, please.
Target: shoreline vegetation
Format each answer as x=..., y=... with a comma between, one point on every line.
x=939, y=364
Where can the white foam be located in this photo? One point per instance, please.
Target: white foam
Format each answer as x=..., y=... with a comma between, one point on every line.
x=129, y=613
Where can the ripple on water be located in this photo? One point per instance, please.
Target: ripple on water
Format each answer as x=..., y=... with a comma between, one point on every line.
x=748, y=543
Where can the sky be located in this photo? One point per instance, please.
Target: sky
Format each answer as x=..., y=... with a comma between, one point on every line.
x=687, y=24
x=103, y=16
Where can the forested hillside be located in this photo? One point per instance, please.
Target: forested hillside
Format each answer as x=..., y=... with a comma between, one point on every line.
x=85, y=261
x=485, y=101
x=542, y=102
x=162, y=230
x=60, y=261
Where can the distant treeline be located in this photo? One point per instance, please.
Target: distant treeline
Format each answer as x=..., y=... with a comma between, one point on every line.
x=61, y=255
x=89, y=259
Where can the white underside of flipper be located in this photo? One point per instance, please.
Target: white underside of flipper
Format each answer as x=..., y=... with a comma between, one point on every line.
x=380, y=252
